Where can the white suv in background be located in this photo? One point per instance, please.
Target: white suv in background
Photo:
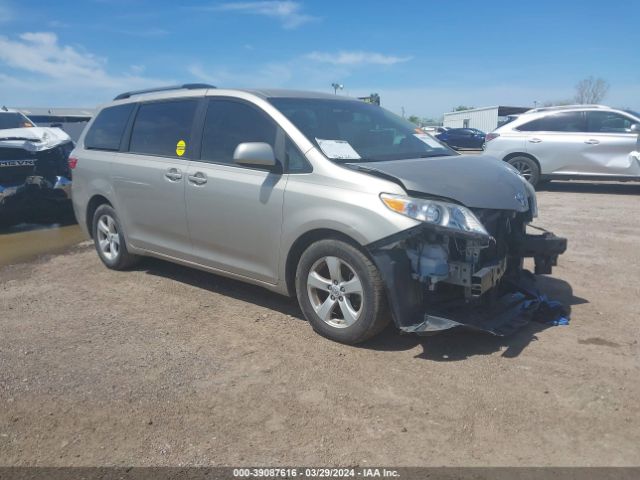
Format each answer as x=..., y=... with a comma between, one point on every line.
x=570, y=142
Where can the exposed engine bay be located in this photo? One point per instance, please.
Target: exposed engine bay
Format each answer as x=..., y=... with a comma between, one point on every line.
x=438, y=279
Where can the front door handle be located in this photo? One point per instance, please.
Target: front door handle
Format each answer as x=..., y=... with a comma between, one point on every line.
x=173, y=174
x=198, y=178
x=592, y=141
x=535, y=140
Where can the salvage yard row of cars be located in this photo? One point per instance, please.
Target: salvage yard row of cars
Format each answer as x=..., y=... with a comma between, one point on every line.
x=355, y=211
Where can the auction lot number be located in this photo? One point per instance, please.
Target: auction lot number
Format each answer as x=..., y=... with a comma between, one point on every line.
x=313, y=472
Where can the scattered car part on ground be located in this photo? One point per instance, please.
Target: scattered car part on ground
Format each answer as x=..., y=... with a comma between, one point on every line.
x=339, y=202
x=569, y=142
x=35, y=179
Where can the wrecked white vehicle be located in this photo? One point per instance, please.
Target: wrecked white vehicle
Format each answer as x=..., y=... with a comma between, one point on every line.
x=35, y=179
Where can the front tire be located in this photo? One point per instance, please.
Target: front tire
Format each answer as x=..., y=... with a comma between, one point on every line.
x=527, y=167
x=341, y=292
x=108, y=238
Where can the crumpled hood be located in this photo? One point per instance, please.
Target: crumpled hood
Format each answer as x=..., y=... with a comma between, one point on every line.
x=476, y=181
x=32, y=139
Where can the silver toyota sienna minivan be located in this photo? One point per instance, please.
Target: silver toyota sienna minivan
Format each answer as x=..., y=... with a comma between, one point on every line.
x=361, y=215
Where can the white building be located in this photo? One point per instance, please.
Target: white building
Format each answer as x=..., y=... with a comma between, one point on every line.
x=486, y=119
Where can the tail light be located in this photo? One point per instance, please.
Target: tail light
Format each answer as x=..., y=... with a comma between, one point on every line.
x=491, y=136
x=73, y=162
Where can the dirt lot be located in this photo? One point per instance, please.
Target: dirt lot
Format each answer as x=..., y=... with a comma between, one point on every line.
x=169, y=366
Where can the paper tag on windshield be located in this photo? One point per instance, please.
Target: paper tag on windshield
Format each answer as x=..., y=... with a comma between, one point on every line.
x=338, y=149
x=428, y=139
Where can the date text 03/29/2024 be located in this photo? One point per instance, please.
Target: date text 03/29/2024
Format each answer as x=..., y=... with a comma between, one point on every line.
x=314, y=473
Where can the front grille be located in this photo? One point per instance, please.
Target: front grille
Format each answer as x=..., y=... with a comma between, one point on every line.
x=48, y=163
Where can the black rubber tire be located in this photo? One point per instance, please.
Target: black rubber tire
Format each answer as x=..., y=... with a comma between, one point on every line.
x=124, y=260
x=375, y=316
x=531, y=163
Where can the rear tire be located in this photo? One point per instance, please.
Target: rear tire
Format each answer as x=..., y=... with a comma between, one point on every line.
x=527, y=167
x=341, y=292
x=108, y=238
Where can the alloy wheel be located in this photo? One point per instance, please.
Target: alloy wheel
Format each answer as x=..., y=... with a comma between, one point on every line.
x=335, y=292
x=523, y=168
x=108, y=237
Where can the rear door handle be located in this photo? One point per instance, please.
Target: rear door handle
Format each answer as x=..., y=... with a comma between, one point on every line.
x=535, y=140
x=198, y=178
x=173, y=174
x=592, y=141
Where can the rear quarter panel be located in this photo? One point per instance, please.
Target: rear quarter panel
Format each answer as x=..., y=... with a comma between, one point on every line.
x=507, y=143
x=92, y=176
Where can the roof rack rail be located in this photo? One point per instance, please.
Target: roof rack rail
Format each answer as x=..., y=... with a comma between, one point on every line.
x=185, y=86
x=562, y=107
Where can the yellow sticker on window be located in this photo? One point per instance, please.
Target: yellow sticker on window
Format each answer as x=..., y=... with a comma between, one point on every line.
x=181, y=146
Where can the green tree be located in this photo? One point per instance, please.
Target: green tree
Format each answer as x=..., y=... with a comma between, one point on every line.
x=460, y=108
x=414, y=119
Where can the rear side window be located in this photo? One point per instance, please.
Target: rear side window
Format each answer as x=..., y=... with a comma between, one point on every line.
x=557, y=122
x=163, y=128
x=107, y=129
x=608, y=122
x=228, y=124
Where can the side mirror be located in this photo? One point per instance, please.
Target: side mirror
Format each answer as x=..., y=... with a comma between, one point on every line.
x=255, y=154
x=635, y=128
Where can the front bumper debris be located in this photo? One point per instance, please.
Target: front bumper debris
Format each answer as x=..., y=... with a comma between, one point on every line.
x=436, y=281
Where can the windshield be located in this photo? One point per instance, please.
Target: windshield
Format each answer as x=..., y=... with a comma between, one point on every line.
x=13, y=120
x=348, y=130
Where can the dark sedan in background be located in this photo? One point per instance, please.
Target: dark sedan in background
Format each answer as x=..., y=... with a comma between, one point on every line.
x=462, y=138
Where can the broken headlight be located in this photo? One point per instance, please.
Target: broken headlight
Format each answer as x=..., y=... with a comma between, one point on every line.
x=444, y=214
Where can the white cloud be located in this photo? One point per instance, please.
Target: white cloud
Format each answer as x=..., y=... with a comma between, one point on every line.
x=57, y=24
x=40, y=52
x=289, y=13
x=267, y=75
x=137, y=69
x=43, y=70
x=356, y=58
x=300, y=72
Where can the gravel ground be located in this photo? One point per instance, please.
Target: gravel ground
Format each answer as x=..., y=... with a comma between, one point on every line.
x=170, y=366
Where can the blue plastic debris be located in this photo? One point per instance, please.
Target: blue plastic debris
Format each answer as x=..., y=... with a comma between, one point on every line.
x=551, y=312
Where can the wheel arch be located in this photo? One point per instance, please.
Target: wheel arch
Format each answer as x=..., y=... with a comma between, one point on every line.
x=523, y=154
x=92, y=206
x=303, y=242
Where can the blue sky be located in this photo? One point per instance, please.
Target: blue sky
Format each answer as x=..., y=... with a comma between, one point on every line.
x=425, y=56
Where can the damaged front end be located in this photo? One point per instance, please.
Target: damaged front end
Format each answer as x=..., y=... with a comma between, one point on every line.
x=35, y=179
x=439, y=278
